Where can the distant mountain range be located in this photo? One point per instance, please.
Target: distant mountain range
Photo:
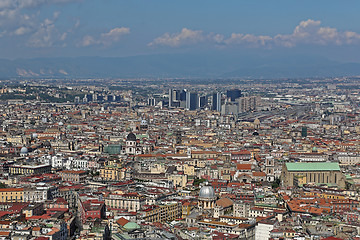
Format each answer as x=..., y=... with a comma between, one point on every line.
x=177, y=66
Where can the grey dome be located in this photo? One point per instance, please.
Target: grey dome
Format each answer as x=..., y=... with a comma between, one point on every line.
x=131, y=137
x=61, y=123
x=207, y=192
x=143, y=122
x=47, y=144
x=24, y=150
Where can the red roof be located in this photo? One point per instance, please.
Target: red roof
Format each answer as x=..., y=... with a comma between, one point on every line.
x=332, y=238
x=243, y=152
x=258, y=174
x=243, y=166
x=4, y=233
x=11, y=189
x=122, y=221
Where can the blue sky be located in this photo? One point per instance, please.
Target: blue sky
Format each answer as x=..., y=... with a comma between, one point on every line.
x=60, y=28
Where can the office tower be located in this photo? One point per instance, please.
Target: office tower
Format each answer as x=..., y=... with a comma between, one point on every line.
x=151, y=102
x=89, y=97
x=230, y=108
x=183, y=95
x=170, y=97
x=254, y=102
x=192, y=101
x=233, y=94
x=182, y=98
x=118, y=98
x=244, y=104
x=174, y=98
x=94, y=97
x=110, y=98
x=202, y=101
x=216, y=102
x=100, y=98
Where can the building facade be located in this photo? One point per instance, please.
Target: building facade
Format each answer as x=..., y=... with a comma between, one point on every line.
x=312, y=172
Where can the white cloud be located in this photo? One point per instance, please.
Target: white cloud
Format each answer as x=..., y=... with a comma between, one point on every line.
x=311, y=32
x=47, y=35
x=248, y=39
x=63, y=36
x=21, y=31
x=307, y=32
x=19, y=17
x=113, y=35
x=186, y=36
x=105, y=39
x=87, y=41
x=44, y=35
x=30, y=3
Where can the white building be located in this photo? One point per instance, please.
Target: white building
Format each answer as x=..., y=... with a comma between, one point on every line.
x=263, y=229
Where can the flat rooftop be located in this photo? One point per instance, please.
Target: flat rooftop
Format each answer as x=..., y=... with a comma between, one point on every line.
x=312, y=166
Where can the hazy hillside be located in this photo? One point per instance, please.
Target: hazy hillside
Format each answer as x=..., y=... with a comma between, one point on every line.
x=184, y=65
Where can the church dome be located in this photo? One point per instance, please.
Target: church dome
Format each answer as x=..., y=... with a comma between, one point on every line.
x=131, y=137
x=207, y=192
x=143, y=122
x=47, y=144
x=24, y=150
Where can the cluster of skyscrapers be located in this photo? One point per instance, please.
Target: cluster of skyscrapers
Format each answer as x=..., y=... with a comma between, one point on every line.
x=186, y=99
x=101, y=98
x=233, y=103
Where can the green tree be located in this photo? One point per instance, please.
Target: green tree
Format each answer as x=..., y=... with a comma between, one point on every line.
x=276, y=183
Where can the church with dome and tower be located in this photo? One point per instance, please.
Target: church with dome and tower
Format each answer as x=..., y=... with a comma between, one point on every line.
x=132, y=146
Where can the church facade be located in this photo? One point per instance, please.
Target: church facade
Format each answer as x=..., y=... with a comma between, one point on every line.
x=298, y=173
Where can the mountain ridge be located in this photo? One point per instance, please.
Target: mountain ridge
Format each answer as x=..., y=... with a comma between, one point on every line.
x=177, y=65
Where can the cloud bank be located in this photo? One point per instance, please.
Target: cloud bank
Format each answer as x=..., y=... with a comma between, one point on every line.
x=307, y=32
x=105, y=39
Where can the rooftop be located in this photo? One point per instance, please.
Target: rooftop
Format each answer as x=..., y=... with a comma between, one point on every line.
x=312, y=166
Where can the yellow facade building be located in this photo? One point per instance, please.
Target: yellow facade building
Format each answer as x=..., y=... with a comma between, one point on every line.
x=179, y=180
x=162, y=213
x=112, y=173
x=189, y=170
x=11, y=195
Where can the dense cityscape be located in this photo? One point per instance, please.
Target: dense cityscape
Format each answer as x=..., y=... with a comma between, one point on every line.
x=180, y=159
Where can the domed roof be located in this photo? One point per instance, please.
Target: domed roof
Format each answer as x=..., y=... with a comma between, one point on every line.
x=24, y=150
x=131, y=137
x=207, y=192
x=61, y=123
x=143, y=122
